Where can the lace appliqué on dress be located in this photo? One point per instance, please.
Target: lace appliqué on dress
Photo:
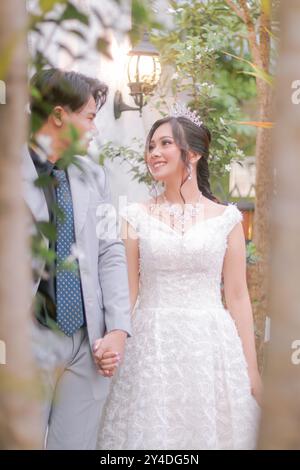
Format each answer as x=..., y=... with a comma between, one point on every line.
x=184, y=382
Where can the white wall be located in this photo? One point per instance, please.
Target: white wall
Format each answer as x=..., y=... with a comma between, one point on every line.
x=130, y=125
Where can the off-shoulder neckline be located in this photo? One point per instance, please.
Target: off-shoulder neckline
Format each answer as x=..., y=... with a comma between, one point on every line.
x=203, y=221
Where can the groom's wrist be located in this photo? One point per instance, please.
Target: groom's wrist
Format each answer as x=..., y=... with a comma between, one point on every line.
x=123, y=332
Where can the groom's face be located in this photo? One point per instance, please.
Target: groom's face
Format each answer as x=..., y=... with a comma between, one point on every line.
x=163, y=156
x=82, y=120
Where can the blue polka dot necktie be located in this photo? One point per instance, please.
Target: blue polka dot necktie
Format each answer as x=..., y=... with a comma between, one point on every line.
x=69, y=307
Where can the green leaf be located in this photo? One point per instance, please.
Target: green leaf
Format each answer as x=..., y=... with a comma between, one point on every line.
x=140, y=12
x=43, y=181
x=102, y=46
x=48, y=5
x=58, y=212
x=74, y=133
x=261, y=74
x=47, y=229
x=258, y=72
x=48, y=255
x=72, y=13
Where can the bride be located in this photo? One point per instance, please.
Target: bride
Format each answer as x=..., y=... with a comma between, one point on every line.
x=189, y=377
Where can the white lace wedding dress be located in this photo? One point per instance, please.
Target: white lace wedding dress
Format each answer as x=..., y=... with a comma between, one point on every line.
x=184, y=382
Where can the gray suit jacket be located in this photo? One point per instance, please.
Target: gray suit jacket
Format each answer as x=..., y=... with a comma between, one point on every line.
x=102, y=261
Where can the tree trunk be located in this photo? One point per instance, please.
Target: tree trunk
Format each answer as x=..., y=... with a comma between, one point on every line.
x=260, y=50
x=281, y=413
x=19, y=419
x=259, y=46
x=259, y=287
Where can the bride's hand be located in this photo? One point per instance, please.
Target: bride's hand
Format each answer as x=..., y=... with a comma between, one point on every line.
x=109, y=362
x=105, y=359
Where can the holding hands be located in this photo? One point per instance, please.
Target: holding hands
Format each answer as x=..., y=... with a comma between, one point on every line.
x=109, y=352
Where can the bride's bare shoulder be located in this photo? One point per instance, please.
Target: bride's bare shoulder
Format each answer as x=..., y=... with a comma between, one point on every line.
x=214, y=208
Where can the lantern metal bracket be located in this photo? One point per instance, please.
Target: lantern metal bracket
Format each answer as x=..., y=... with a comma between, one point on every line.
x=120, y=105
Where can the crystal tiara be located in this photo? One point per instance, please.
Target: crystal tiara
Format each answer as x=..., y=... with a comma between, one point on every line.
x=181, y=110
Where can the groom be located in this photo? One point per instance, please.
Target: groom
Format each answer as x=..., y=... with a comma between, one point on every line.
x=90, y=302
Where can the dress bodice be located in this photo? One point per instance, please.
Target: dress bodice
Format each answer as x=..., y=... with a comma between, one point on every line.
x=181, y=270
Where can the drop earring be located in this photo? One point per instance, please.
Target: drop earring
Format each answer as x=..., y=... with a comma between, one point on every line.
x=189, y=169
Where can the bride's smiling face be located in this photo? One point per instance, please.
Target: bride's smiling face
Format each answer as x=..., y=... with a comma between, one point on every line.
x=163, y=155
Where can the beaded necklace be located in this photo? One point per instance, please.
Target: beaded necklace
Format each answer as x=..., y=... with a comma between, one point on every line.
x=183, y=215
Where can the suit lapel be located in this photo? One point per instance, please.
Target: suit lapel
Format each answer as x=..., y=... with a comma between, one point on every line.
x=80, y=196
x=34, y=197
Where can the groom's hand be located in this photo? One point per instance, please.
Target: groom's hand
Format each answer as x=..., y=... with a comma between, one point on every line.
x=100, y=358
x=109, y=351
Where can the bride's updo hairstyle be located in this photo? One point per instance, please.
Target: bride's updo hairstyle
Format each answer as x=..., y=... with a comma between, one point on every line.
x=189, y=137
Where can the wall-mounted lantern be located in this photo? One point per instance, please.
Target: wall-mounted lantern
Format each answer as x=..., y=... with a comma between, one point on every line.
x=143, y=72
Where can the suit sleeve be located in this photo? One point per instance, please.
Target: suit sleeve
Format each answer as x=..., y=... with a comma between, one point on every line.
x=113, y=275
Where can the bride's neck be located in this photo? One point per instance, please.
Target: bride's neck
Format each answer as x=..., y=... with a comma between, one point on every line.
x=189, y=191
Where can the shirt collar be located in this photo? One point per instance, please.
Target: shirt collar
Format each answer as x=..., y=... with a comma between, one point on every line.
x=41, y=165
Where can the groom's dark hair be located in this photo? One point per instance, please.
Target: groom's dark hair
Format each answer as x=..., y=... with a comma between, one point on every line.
x=55, y=87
